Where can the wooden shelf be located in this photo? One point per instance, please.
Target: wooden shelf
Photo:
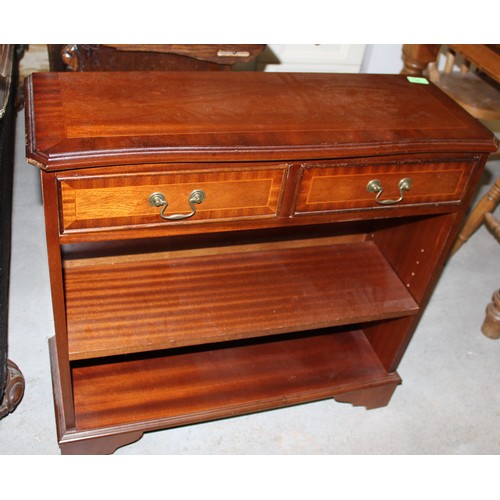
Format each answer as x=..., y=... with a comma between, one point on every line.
x=188, y=385
x=153, y=303
x=295, y=280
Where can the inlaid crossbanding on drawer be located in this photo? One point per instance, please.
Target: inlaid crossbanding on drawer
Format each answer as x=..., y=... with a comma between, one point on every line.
x=348, y=187
x=100, y=202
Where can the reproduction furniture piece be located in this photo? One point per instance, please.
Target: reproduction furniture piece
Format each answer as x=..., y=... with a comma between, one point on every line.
x=221, y=243
x=150, y=57
x=11, y=379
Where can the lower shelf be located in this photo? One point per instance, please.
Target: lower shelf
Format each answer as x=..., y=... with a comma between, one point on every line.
x=184, y=386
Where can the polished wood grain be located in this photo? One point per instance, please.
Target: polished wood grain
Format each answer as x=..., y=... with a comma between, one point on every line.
x=338, y=186
x=196, y=385
x=416, y=248
x=92, y=119
x=55, y=263
x=90, y=202
x=160, y=324
x=156, y=249
x=71, y=441
x=146, y=305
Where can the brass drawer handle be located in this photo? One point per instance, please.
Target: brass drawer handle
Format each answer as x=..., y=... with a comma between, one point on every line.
x=375, y=186
x=159, y=200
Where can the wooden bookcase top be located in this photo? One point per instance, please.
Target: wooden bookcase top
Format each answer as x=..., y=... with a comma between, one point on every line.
x=98, y=119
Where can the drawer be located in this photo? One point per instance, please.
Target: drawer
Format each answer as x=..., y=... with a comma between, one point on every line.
x=353, y=186
x=96, y=202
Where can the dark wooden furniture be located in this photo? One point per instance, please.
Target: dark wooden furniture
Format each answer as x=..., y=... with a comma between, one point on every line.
x=150, y=57
x=11, y=378
x=224, y=243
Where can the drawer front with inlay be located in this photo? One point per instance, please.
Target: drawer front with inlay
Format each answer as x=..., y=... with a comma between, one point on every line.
x=330, y=187
x=103, y=201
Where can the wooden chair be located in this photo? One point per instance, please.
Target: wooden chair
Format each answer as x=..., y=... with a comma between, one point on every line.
x=476, y=87
x=491, y=323
x=472, y=89
x=479, y=94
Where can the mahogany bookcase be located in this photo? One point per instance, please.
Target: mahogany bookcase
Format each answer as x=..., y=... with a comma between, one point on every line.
x=225, y=243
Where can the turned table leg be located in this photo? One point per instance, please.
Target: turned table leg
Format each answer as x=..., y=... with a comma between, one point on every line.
x=491, y=324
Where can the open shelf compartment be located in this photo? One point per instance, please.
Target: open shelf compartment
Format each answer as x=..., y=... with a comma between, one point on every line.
x=156, y=303
x=189, y=385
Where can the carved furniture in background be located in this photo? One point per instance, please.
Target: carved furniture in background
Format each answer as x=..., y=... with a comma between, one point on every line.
x=416, y=58
x=478, y=92
x=148, y=57
x=223, y=243
x=476, y=87
x=11, y=378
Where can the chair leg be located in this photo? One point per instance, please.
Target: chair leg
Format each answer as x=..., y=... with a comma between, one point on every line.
x=491, y=324
x=487, y=204
x=493, y=225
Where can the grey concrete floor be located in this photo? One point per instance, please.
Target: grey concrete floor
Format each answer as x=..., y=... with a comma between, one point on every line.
x=448, y=404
